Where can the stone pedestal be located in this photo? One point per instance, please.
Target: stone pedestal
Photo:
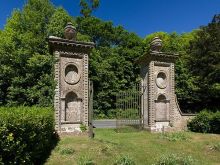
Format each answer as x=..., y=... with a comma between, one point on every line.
x=71, y=76
x=157, y=73
x=160, y=108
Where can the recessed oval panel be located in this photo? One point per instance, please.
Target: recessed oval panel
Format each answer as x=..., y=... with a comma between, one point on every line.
x=71, y=74
x=161, y=80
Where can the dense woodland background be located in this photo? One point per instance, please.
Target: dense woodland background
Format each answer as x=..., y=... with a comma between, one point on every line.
x=26, y=70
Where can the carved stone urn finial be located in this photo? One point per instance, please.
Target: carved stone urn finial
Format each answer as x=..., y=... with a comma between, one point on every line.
x=70, y=32
x=156, y=44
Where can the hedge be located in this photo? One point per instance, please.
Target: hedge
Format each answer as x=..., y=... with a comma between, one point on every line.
x=205, y=122
x=26, y=134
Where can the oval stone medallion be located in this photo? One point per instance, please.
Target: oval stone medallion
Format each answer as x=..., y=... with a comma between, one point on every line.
x=72, y=74
x=161, y=80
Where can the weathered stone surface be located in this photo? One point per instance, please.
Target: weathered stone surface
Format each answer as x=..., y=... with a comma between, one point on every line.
x=70, y=32
x=156, y=44
x=71, y=76
x=160, y=108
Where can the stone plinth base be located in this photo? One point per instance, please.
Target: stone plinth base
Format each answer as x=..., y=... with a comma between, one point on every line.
x=70, y=128
x=160, y=126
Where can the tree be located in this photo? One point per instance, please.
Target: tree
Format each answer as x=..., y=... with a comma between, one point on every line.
x=87, y=6
x=216, y=18
x=112, y=66
x=58, y=21
x=31, y=67
x=204, y=63
x=26, y=71
x=26, y=65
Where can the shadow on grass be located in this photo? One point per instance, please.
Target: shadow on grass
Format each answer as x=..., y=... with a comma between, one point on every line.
x=42, y=157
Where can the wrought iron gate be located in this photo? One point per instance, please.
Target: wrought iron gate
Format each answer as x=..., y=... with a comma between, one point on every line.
x=129, y=108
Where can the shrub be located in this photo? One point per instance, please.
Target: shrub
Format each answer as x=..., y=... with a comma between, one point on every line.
x=205, y=122
x=215, y=123
x=26, y=134
x=112, y=113
x=100, y=116
x=200, y=123
x=173, y=159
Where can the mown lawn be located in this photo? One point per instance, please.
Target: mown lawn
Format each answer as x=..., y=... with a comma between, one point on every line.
x=142, y=147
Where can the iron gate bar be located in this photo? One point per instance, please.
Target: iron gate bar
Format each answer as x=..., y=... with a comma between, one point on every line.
x=129, y=107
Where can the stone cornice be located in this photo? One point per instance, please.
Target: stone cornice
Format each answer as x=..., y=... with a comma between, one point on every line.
x=65, y=45
x=157, y=56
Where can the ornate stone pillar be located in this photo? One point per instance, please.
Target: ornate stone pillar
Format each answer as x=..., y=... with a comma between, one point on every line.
x=157, y=72
x=71, y=76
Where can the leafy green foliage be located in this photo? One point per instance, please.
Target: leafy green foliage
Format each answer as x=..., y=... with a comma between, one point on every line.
x=26, y=71
x=26, y=66
x=26, y=134
x=200, y=123
x=215, y=122
x=58, y=21
x=128, y=114
x=87, y=6
x=112, y=66
x=205, y=122
x=204, y=63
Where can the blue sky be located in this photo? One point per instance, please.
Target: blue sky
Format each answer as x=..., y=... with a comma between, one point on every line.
x=140, y=16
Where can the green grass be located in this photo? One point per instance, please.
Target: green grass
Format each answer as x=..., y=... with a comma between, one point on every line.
x=175, y=136
x=143, y=148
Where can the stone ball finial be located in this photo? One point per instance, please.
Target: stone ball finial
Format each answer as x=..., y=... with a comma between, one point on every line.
x=70, y=32
x=156, y=44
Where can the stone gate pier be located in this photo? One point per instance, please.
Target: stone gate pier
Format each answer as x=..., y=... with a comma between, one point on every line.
x=71, y=101
x=159, y=104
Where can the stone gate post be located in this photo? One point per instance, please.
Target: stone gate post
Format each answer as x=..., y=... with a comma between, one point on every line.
x=157, y=73
x=71, y=76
